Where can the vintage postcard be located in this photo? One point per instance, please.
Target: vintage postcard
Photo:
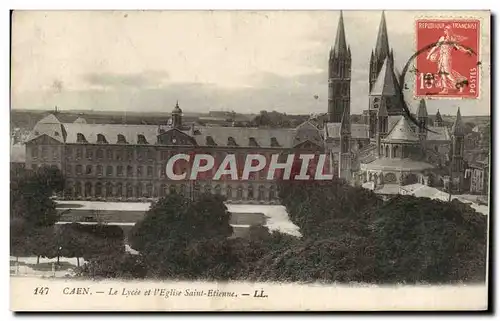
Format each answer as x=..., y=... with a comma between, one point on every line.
x=250, y=160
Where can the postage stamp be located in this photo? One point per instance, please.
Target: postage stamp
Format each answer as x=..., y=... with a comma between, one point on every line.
x=447, y=66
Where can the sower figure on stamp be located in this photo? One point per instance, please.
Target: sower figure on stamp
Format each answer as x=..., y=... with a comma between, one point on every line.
x=449, y=78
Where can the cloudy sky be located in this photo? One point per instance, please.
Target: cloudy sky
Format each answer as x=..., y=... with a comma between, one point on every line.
x=224, y=60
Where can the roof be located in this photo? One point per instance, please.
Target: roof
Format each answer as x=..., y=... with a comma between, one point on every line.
x=422, y=109
x=438, y=134
x=402, y=132
x=358, y=131
x=340, y=47
x=386, y=83
x=398, y=164
x=242, y=136
x=80, y=120
x=17, y=153
x=382, y=44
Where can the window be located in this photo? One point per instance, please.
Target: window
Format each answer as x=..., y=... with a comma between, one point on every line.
x=119, y=190
x=109, y=170
x=119, y=170
x=130, y=171
x=229, y=192
x=208, y=189
x=139, y=171
x=149, y=190
x=217, y=189
x=118, y=155
x=78, y=169
x=68, y=170
x=100, y=153
x=109, y=190
x=34, y=152
x=79, y=153
x=90, y=154
x=210, y=141
x=101, y=139
x=250, y=192
x=140, y=155
x=130, y=155
x=261, y=195
x=163, y=171
x=109, y=154
x=80, y=138
x=182, y=189
x=98, y=190
x=239, y=193
x=253, y=142
x=138, y=190
x=129, y=191
x=150, y=171
x=78, y=189
x=150, y=155
x=45, y=151
x=88, y=170
x=121, y=139
x=272, y=192
x=274, y=142
x=88, y=189
x=231, y=141
x=99, y=170
x=141, y=139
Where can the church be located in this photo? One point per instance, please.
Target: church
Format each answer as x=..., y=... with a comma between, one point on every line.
x=388, y=147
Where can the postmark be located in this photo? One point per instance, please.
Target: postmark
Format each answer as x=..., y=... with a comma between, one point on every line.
x=448, y=65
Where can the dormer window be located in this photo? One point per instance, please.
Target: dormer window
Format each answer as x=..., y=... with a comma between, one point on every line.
x=210, y=141
x=121, y=139
x=231, y=141
x=141, y=139
x=80, y=138
x=101, y=139
x=253, y=142
x=274, y=142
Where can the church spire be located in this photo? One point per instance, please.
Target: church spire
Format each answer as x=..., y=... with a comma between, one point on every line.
x=340, y=47
x=422, y=109
x=382, y=45
x=458, y=128
x=439, y=120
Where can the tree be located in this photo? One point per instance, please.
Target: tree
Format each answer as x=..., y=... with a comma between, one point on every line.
x=422, y=240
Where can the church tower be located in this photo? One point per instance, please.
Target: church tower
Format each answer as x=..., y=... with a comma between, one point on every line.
x=457, y=150
x=339, y=76
x=422, y=117
x=345, y=160
x=380, y=53
x=382, y=127
x=177, y=116
x=438, y=122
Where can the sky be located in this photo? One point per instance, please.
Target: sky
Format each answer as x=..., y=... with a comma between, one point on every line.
x=207, y=60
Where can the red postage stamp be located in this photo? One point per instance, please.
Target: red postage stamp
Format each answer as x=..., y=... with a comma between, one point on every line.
x=447, y=63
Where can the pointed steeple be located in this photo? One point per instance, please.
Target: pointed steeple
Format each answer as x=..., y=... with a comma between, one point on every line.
x=345, y=124
x=458, y=128
x=382, y=111
x=382, y=45
x=386, y=83
x=439, y=120
x=422, y=109
x=340, y=47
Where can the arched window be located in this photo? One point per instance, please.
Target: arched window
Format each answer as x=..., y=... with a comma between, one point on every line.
x=261, y=195
x=119, y=190
x=101, y=139
x=149, y=190
x=109, y=154
x=250, y=192
x=239, y=193
x=80, y=138
x=141, y=139
x=138, y=190
x=98, y=189
x=109, y=190
x=395, y=152
x=78, y=169
x=121, y=139
x=78, y=189
x=130, y=191
x=88, y=189
x=272, y=192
